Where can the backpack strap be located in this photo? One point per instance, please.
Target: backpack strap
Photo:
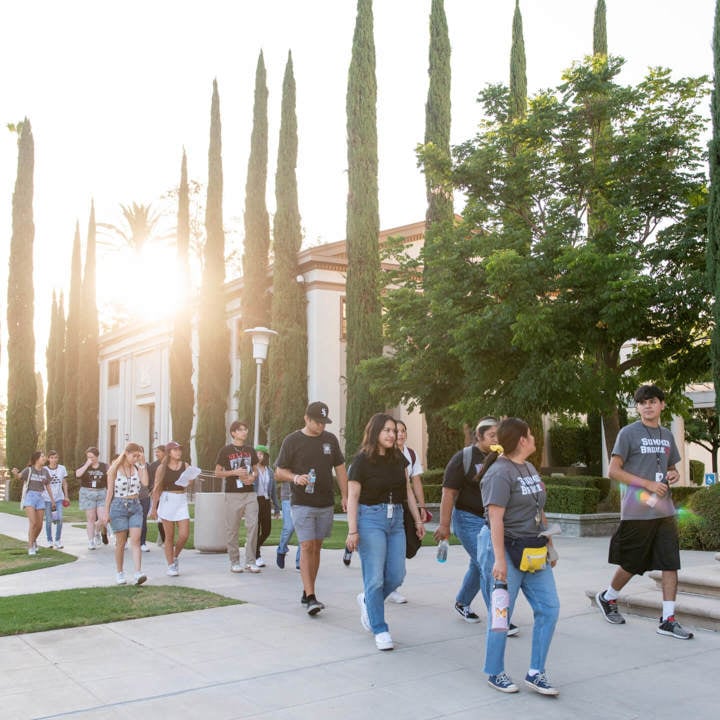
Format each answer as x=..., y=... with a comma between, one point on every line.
x=467, y=458
x=413, y=456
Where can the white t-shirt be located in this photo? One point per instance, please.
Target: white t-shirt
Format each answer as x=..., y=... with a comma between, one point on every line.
x=57, y=475
x=414, y=468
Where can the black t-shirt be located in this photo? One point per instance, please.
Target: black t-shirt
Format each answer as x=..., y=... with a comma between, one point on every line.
x=97, y=475
x=469, y=497
x=381, y=480
x=300, y=452
x=233, y=457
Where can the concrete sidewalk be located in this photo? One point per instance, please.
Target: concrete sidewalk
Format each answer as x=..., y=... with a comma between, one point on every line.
x=268, y=659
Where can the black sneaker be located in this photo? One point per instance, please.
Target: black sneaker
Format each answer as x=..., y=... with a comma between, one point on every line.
x=314, y=606
x=512, y=630
x=673, y=628
x=304, y=599
x=347, y=557
x=466, y=613
x=280, y=560
x=609, y=609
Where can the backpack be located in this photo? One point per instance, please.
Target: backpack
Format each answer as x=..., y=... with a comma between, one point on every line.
x=413, y=456
x=467, y=458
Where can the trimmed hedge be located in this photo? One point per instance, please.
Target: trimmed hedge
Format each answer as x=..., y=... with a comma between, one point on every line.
x=569, y=445
x=697, y=472
x=574, y=500
x=699, y=522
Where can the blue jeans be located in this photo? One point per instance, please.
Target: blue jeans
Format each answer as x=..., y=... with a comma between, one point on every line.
x=288, y=528
x=467, y=527
x=539, y=589
x=382, y=552
x=48, y=520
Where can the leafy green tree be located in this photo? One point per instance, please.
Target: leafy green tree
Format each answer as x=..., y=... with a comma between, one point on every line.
x=21, y=430
x=255, y=300
x=88, y=391
x=72, y=354
x=364, y=324
x=182, y=394
x=287, y=362
x=703, y=429
x=551, y=326
x=55, y=363
x=713, y=220
x=213, y=334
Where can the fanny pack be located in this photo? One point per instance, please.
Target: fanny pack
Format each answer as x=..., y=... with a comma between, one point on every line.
x=528, y=554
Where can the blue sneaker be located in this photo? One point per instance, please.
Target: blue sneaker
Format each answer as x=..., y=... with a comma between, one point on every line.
x=502, y=682
x=540, y=683
x=280, y=560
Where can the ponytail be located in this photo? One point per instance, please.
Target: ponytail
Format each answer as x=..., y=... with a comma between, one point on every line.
x=490, y=458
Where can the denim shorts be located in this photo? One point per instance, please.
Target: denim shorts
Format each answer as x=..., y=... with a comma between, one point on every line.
x=34, y=499
x=92, y=498
x=125, y=513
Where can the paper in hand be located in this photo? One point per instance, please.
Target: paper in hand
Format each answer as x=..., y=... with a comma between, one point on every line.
x=188, y=475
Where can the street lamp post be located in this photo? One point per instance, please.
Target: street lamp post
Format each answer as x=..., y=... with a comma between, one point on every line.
x=260, y=342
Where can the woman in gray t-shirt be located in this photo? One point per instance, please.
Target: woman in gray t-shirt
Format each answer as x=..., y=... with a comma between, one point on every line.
x=514, y=498
x=36, y=480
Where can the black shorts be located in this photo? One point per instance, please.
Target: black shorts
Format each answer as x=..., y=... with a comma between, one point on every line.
x=641, y=545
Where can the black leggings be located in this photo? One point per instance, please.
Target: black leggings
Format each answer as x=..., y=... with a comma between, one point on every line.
x=264, y=520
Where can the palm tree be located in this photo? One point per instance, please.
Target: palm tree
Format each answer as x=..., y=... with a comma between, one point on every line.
x=140, y=221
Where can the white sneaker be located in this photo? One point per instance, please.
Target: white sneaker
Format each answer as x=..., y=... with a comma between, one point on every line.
x=50, y=545
x=139, y=578
x=144, y=548
x=364, y=619
x=172, y=570
x=260, y=562
x=383, y=641
x=396, y=597
x=91, y=545
x=98, y=539
x=252, y=569
x=236, y=568
x=58, y=545
x=120, y=578
x=32, y=550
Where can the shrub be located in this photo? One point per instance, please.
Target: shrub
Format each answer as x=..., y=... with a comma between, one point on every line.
x=601, y=484
x=697, y=472
x=569, y=445
x=682, y=495
x=433, y=493
x=433, y=477
x=573, y=500
x=702, y=524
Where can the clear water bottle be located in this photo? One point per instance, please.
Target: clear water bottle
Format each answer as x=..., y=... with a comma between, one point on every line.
x=499, y=607
x=442, y=551
x=310, y=487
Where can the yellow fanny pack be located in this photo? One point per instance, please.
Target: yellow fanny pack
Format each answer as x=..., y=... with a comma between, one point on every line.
x=533, y=559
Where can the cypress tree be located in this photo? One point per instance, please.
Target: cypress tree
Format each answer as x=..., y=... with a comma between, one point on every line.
x=713, y=241
x=364, y=325
x=21, y=430
x=55, y=374
x=40, y=409
x=518, y=75
x=600, y=43
x=72, y=351
x=213, y=335
x=182, y=394
x=88, y=391
x=443, y=438
x=255, y=303
x=287, y=362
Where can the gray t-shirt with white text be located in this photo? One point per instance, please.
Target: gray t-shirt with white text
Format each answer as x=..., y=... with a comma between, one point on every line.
x=647, y=452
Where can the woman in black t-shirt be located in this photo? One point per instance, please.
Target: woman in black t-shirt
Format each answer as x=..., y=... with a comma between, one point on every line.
x=378, y=485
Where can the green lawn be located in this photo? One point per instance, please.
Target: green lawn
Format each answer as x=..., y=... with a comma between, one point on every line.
x=14, y=557
x=59, y=609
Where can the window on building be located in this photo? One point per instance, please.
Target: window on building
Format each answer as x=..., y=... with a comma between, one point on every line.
x=343, y=319
x=113, y=373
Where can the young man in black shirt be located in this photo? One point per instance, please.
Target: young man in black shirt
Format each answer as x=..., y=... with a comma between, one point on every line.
x=307, y=459
x=237, y=463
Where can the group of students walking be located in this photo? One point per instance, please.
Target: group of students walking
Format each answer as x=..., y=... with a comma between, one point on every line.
x=492, y=497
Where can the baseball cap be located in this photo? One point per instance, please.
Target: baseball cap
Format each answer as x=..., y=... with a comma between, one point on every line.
x=262, y=448
x=318, y=411
x=172, y=445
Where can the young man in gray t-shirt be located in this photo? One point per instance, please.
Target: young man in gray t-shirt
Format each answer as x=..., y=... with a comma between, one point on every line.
x=643, y=462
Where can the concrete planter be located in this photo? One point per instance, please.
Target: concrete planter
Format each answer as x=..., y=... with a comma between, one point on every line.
x=591, y=525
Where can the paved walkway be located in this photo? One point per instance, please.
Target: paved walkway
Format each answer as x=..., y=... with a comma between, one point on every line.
x=268, y=659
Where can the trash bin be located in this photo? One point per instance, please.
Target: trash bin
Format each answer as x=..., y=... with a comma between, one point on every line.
x=210, y=516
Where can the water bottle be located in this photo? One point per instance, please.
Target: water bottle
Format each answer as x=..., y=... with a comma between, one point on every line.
x=652, y=499
x=310, y=487
x=499, y=607
x=442, y=551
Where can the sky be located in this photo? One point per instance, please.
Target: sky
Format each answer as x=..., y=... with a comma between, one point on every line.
x=116, y=89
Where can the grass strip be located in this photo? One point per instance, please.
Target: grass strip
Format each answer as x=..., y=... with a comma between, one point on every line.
x=93, y=606
x=14, y=557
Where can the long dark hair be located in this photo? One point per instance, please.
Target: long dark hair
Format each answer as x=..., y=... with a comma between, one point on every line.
x=35, y=457
x=509, y=432
x=371, y=436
